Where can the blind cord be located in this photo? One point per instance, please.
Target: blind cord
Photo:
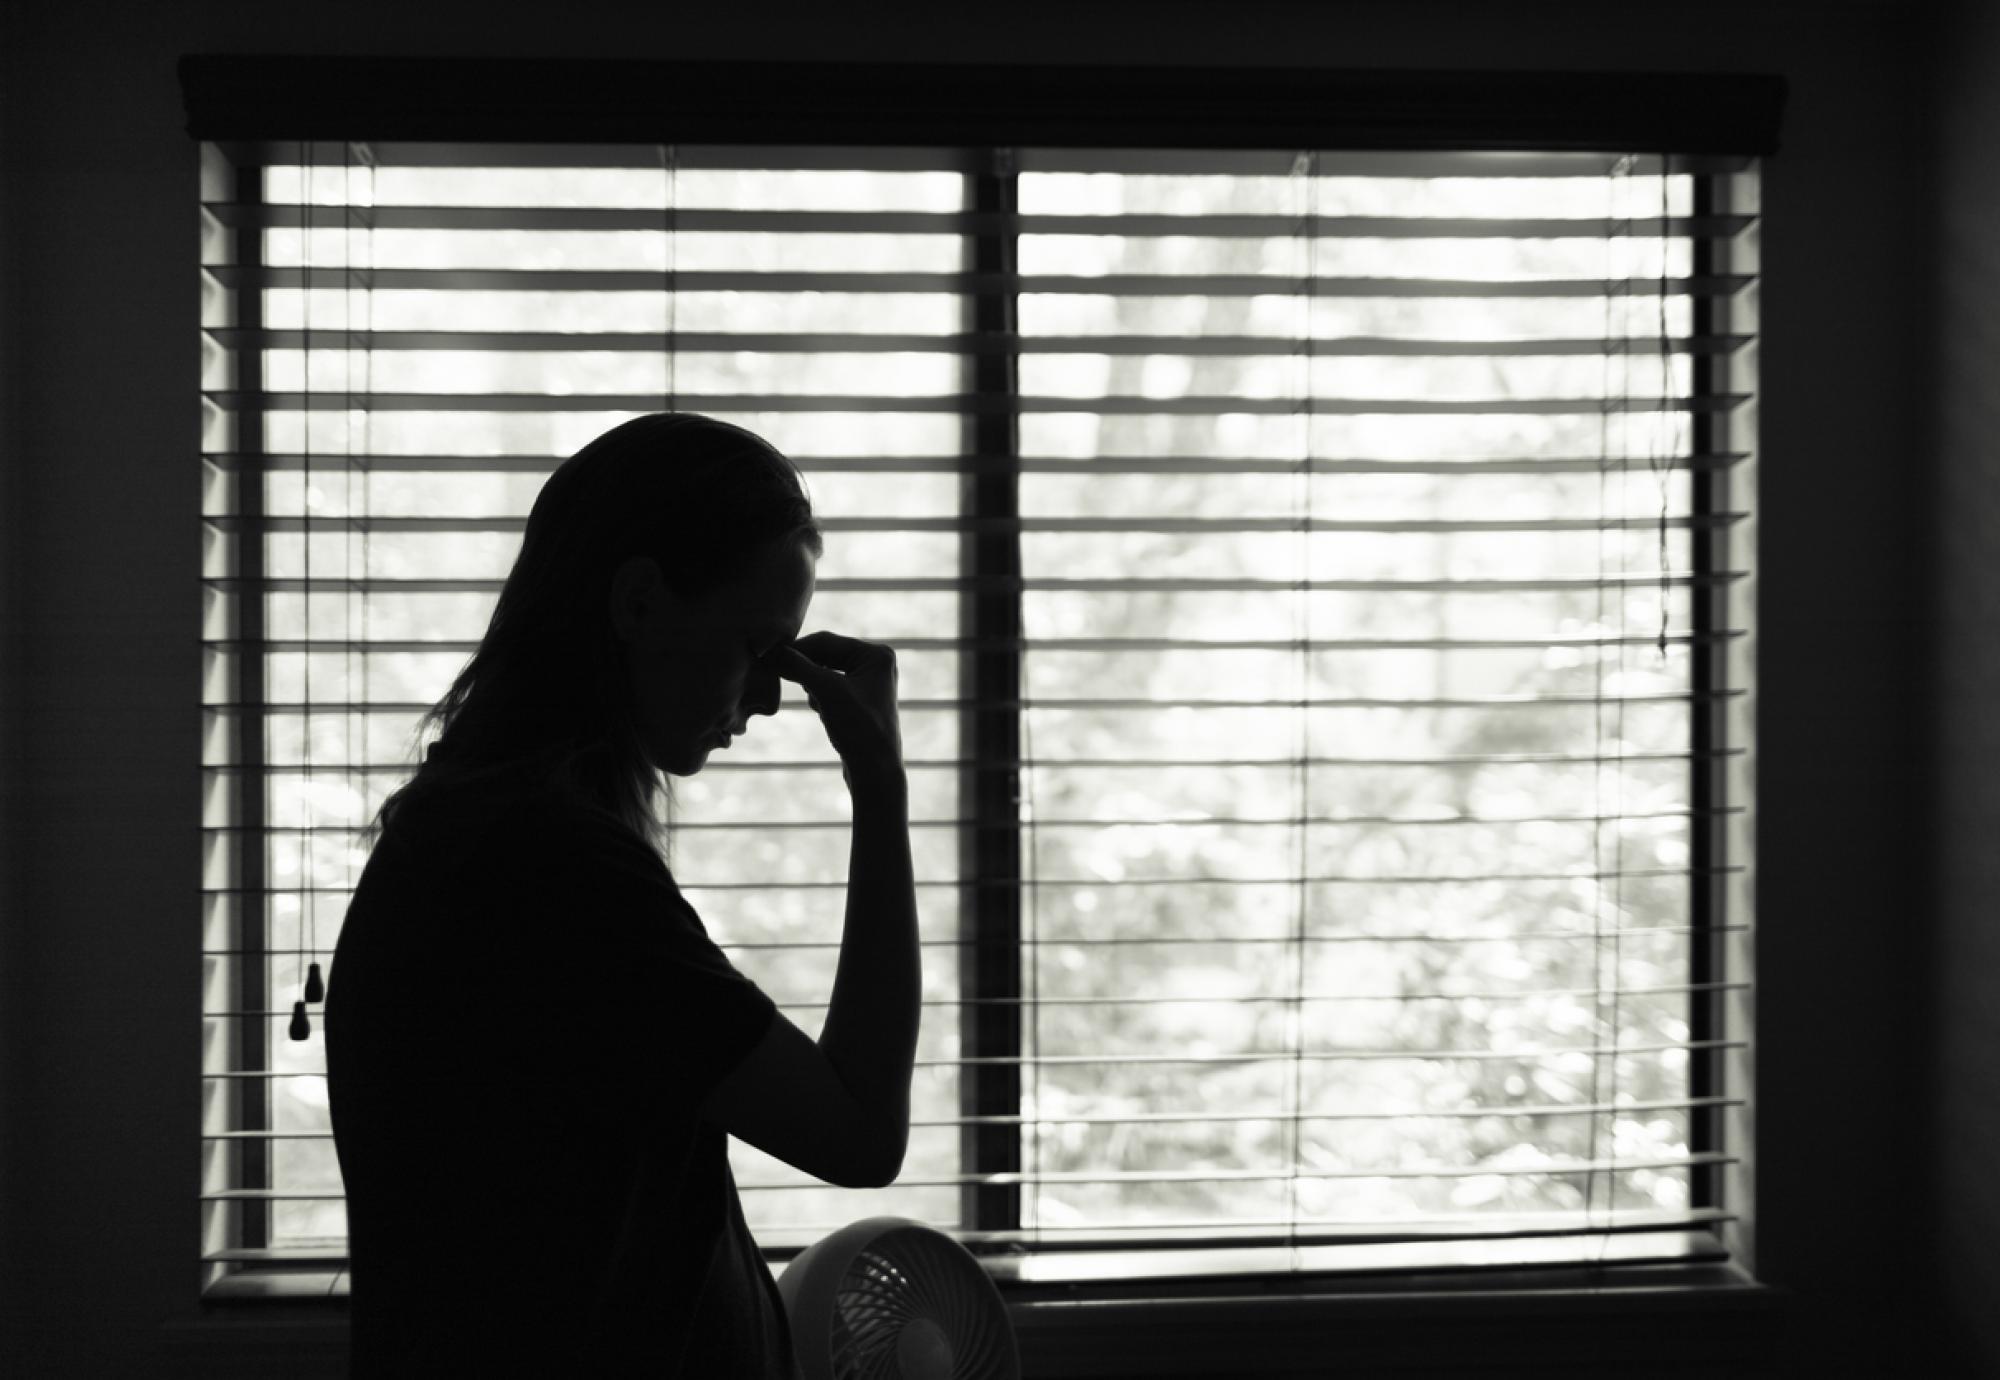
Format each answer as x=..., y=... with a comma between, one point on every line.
x=1034, y=1006
x=1615, y=340
x=670, y=165
x=366, y=157
x=1306, y=164
x=301, y=1027
x=367, y=419
x=1026, y=787
x=1007, y=165
x=315, y=987
x=669, y=156
x=1662, y=453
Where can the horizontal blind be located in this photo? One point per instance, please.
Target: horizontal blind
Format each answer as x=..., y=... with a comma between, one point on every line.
x=1319, y=585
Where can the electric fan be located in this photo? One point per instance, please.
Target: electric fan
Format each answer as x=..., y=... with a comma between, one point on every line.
x=887, y=1298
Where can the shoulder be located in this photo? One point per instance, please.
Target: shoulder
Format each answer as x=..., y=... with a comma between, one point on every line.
x=587, y=833
x=518, y=833
x=541, y=843
x=592, y=854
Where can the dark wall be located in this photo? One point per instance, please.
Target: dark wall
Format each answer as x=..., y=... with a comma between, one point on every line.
x=12, y=1030
x=99, y=1043
x=1961, y=616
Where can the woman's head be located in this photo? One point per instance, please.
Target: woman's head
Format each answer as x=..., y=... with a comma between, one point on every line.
x=657, y=560
x=697, y=659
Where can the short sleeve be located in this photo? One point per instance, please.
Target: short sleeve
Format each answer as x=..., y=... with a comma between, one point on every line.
x=627, y=975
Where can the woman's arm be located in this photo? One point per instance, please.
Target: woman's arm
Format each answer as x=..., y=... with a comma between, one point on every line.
x=839, y=1108
x=870, y=1034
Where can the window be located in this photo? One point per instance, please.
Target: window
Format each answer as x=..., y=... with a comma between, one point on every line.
x=1321, y=579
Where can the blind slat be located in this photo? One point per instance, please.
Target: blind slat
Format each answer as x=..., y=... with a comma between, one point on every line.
x=675, y=219
x=1190, y=1247
x=1169, y=1176
x=983, y=343
x=1311, y=879
x=1197, y=1118
x=1264, y=1057
x=971, y=464
x=266, y=277
x=922, y=705
x=969, y=404
x=1128, y=883
x=1574, y=935
x=1461, y=761
x=1273, y=822
x=1315, y=998
x=1320, y=645
x=1646, y=580
x=1212, y=526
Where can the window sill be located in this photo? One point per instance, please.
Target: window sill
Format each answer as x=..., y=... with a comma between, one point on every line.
x=1651, y=1321
x=1690, y=1330
x=1668, y=1319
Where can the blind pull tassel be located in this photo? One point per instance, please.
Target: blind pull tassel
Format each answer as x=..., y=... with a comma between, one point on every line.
x=315, y=991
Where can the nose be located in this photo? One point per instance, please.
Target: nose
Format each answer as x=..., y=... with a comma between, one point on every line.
x=761, y=691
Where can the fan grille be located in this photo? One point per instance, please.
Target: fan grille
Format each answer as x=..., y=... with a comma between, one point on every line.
x=907, y=1277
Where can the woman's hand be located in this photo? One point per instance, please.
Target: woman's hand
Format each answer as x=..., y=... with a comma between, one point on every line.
x=851, y=685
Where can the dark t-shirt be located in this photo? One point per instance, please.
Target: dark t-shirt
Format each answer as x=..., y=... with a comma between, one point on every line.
x=522, y=1016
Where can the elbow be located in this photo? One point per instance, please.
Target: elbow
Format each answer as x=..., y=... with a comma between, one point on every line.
x=884, y=1167
x=890, y=1173
x=884, y=1178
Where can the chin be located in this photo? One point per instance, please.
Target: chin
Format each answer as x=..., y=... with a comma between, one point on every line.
x=688, y=762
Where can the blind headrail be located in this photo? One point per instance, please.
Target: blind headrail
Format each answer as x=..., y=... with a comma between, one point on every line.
x=255, y=97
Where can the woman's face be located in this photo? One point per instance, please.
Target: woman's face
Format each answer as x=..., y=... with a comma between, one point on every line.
x=696, y=675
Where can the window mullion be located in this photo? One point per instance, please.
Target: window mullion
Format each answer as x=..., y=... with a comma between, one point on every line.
x=990, y=847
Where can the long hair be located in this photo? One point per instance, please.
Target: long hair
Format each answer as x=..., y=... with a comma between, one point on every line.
x=547, y=696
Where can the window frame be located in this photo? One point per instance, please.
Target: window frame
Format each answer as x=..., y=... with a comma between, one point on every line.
x=248, y=99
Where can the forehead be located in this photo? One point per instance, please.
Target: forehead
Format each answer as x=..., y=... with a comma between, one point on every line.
x=773, y=588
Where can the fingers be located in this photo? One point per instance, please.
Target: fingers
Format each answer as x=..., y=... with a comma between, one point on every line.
x=838, y=652
x=833, y=653
x=851, y=684
x=794, y=666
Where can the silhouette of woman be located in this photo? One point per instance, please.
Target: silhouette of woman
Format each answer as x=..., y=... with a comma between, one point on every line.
x=534, y=1050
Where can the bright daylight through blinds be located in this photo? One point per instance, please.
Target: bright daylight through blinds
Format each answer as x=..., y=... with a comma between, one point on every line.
x=1321, y=586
